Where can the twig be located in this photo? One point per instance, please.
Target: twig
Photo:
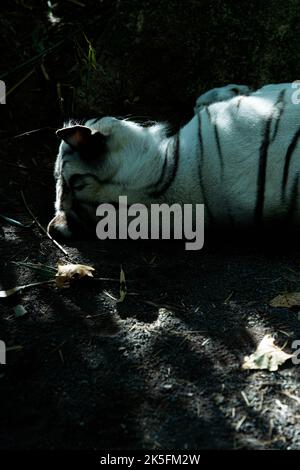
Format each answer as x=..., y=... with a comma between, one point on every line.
x=34, y=59
x=60, y=98
x=77, y=3
x=271, y=427
x=41, y=227
x=293, y=397
x=110, y=296
x=45, y=73
x=8, y=292
x=47, y=128
x=241, y=421
x=14, y=222
x=106, y=279
x=226, y=301
x=60, y=43
x=39, y=267
x=61, y=356
x=245, y=398
x=262, y=396
x=16, y=348
x=14, y=87
x=15, y=165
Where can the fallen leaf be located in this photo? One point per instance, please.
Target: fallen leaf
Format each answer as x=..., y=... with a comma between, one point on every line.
x=289, y=300
x=267, y=356
x=123, y=288
x=70, y=272
x=20, y=310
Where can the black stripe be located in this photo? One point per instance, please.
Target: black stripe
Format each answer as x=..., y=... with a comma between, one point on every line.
x=155, y=188
x=239, y=102
x=81, y=213
x=200, y=167
x=157, y=192
x=93, y=121
x=293, y=199
x=79, y=178
x=77, y=182
x=220, y=154
x=288, y=158
x=261, y=179
x=221, y=159
x=208, y=113
x=280, y=104
x=217, y=137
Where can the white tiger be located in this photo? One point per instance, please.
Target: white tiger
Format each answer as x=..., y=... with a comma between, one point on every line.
x=239, y=156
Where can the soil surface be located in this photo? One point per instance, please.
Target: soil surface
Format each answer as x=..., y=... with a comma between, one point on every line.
x=160, y=370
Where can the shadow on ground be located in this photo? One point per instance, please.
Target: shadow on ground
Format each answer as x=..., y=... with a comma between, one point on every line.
x=163, y=369
x=160, y=370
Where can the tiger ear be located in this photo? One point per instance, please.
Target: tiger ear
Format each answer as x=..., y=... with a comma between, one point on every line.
x=75, y=135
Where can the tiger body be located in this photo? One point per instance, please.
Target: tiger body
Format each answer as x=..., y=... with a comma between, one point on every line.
x=238, y=156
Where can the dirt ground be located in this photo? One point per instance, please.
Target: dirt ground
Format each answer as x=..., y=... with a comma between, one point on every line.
x=162, y=370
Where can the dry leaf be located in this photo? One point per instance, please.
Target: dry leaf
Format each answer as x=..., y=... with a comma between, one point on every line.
x=289, y=300
x=267, y=356
x=70, y=272
x=20, y=310
x=123, y=288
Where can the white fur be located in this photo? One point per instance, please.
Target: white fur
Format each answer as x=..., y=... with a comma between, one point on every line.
x=135, y=156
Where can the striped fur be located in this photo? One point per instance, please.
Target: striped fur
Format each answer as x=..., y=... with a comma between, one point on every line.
x=239, y=155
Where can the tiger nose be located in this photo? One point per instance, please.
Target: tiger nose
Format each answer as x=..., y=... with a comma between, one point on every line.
x=58, y=226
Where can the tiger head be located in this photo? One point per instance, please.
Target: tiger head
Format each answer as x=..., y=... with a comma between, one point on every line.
x=96, y=163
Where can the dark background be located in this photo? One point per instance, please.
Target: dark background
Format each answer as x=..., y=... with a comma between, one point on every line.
x=152, y=58
x=84, y=371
